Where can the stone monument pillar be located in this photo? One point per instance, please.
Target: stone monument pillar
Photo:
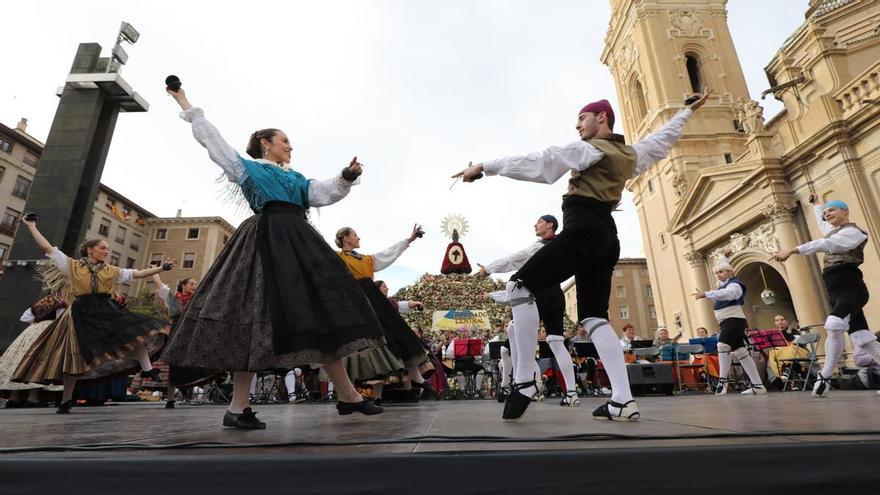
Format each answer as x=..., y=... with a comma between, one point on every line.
x=66, y=183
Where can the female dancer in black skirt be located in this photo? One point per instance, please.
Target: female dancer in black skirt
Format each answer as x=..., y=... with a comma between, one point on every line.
x=96, y=337
x=277, y=296
x=400, y=339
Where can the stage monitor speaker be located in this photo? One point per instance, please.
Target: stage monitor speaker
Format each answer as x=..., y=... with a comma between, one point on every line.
x=650, y=379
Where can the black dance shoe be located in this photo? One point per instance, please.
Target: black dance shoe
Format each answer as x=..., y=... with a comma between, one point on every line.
x=153, y=374
x=516, y=403
x=64, y=407
x=428, y=392
x=503, y=392
x=169, y=404
x=364, y=407
x=247, y=420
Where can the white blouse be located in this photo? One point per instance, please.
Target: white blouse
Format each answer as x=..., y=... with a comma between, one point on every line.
x=321, y=192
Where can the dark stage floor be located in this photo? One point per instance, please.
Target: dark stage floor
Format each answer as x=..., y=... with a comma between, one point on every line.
x=776, y=438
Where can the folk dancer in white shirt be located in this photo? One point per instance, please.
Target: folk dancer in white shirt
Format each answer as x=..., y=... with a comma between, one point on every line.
x=843, y=245
x=551, y=310
x=728, y=300
x=599, y=165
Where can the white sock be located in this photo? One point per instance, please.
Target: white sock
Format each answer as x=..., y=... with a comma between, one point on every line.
x=330, y=387
x=143, y=358
x=290, y=382
x=751, y=369
x=253, y=389
x=611, y=354
x=69, y=382
x=563, y=360
x=834, y=345
x=724, y=360
x=462, y=381
x=506, y=367
x=511, y=332
x=414, y=374
x=525, y=316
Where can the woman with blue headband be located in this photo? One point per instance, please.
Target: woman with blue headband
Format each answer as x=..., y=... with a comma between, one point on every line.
x=844, y=246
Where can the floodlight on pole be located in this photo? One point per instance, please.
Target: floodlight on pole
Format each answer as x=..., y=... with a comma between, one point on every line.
x=128, y=33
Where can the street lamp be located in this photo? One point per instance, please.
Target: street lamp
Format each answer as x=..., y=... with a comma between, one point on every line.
x=128, y=34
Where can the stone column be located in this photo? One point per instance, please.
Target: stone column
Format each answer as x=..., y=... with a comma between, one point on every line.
x=807, y=294
x=701, y=313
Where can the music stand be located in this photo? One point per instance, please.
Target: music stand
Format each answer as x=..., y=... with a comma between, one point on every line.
x=765, y=339
x=544, y=351
x=495, y=350
x=710, y=344
x=640, y=344
x=586, y=350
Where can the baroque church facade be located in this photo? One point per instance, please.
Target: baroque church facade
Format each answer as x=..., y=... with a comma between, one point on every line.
x=735, y=181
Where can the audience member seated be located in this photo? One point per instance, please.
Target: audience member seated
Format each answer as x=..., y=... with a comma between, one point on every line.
x=869, y=370
x=776, y=369
x=629, y=335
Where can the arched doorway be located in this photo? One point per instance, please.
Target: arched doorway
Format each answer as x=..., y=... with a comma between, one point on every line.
x=759, y=314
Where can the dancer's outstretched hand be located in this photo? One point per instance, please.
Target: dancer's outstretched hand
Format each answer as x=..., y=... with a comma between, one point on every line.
x=698, y=294
x=482, y=273
x=783, y=254
x=356, y=167
x=471, y=173
x=417, y=232
x=702, y=101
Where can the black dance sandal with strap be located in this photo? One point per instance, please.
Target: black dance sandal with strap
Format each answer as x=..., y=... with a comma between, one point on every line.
x=516, y=403
x=822, y=386
x=247, y=420
x=570, y=399
x=721, y=386
x=625, y=412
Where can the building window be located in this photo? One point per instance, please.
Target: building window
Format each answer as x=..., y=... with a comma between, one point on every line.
x=623, y=312
x=192, y=233
x=30, y=159
x=10, y=220
x=161, y=234
x=2, y=172
x=650, y=186
x=621, y=291
x=693, y=69
x=135, y=241
x=21, y=188
x=728, y=158
x=649, y=291
x=4, y=250
x=662, y=239
x=5, y=145
x=652, y=312
x=618, y=272
x=189, y=260
x=114, y=258
x=104, y=228
x=126, y=210
x=120, y=234
x=129, y=263
x=156, y=258
x=225, y=239
x=638, y=95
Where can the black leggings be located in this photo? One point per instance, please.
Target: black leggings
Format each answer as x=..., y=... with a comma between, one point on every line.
x=588, y=253
x=847, y=294
x=733, y=332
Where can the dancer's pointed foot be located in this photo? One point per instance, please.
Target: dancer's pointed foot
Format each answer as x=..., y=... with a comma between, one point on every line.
x=571, y=399
x=516, y=403
x=614, y=411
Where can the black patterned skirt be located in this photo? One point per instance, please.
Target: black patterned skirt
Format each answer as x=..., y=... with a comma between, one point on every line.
x=277, y=297
x=399, y=337
x=94, y=338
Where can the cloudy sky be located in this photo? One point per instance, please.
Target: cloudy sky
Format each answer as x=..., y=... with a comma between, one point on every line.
x=415, y=89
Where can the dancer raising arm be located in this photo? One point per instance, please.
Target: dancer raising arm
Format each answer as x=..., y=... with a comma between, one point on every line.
x=277, y=296
x=96, y=337
x=844, y=248
x=599, y=164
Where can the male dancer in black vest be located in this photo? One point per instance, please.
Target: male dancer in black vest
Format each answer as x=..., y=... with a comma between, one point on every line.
x=728, y=302
x=844, y=246
x=599, y=165
x=551, y=309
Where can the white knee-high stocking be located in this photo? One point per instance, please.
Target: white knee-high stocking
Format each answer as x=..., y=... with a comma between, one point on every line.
x=506, y=367
x=563, y=360
x=745, y=360
x=526, y=320
x=724, y=361
x=835, y=342
x=611, y=354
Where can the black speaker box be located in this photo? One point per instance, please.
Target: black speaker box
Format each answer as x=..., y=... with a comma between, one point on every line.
x=650, y=379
